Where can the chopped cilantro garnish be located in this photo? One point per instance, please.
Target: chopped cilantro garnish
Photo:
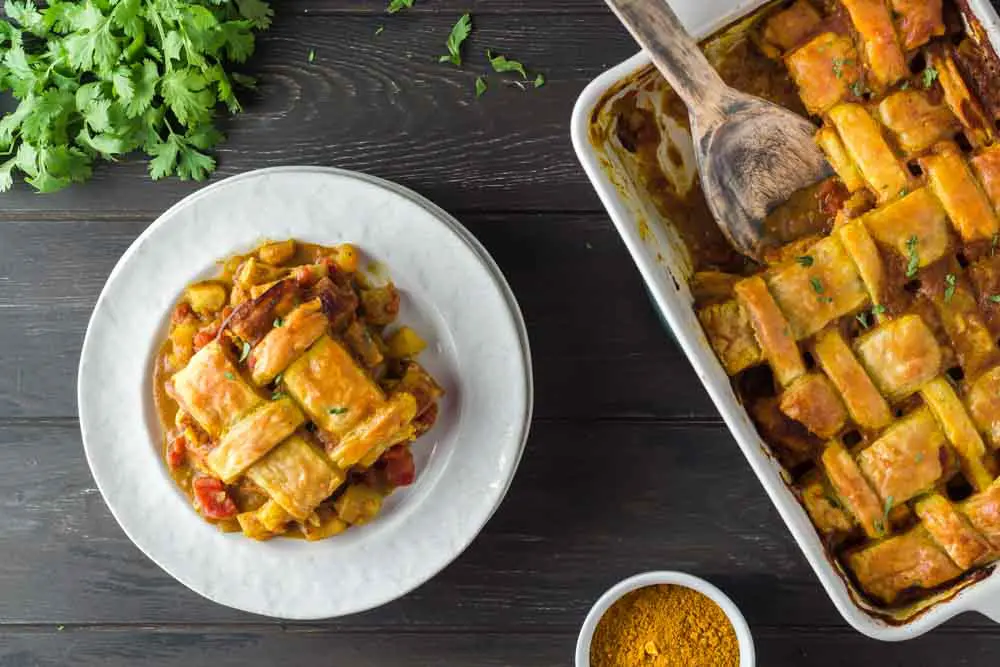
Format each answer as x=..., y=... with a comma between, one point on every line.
x=863, y=318
x=278, y=322
x=878, y=309
x=929, y=76
x=278, y=395
x=502, y=64
x=480, y=85
x=919, y=457
x=337, y=411
x=246, y=351
x=914, y=259
x=459, y=33
x=885, y=511
x=905, y=86
x=949, y=287
x=817, y=285
x=230, y=376
x=903, y=192
x=398, y=5
x=995, y=298
x=858, y=88
x=838, y=66
x=805, y=260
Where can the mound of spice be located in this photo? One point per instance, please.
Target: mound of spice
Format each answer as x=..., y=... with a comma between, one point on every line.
x=664, y=626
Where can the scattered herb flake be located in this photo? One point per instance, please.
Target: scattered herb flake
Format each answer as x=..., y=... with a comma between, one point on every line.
x=246, y=352
x=459, y=33
x=817, y=285
x=905, y=86
x=277, y=379
x=480, y=85
x=278, y=322
x=230, y=376
x=838, y=66
x=929, y=76
x=995, y=298
x=398, y=5
x=885, y=511
x=863, y=318
x=904, y=192
x=337, y=411
x=539, y=80
x=919, y=457
x=502, y=64
x=858, y=88
x=949, y=287
x=278, y=395
x=805, y=260
x=914, y=262
x=878, y=309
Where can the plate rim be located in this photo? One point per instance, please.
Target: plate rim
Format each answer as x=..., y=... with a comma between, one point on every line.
x=442, y=217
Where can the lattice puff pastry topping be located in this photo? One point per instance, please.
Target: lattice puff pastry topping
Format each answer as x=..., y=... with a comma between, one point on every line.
x=867, y=354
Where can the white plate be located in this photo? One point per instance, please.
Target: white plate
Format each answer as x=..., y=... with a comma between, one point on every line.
x=453, y=294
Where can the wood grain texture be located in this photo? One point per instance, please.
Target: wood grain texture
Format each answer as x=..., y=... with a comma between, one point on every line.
x=627, y=469
x=604, y=352
x=169, y=647
x=385, y=105
x=593, y=502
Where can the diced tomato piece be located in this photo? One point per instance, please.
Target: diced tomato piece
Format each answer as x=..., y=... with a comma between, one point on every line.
x=177, y=452
x=205, y=336
x=399, y=468
x=212, y=499
x=181, y=312
x=305, y=276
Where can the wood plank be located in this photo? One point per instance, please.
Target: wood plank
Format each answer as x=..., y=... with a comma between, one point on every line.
x=599, y=348
x=475, y=7
x=592, y=503
x=384, y=105
x=295, y=646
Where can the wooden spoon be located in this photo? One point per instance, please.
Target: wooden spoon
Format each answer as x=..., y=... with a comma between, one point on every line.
x=751, y=154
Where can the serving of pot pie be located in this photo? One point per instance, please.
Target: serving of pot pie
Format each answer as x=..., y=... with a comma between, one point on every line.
x=287, y=396
x=865, y=346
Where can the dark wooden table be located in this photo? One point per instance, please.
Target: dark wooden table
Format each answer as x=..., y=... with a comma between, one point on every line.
x=628, y=467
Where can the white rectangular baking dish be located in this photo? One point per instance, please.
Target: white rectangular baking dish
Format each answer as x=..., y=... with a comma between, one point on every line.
x=663, y=261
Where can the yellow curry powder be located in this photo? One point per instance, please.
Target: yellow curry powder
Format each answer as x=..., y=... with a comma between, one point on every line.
x=664, y=626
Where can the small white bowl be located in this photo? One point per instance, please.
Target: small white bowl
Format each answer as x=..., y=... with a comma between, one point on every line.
x=743, y=637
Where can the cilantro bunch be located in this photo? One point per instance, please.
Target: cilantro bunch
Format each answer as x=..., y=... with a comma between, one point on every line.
x=101, y=78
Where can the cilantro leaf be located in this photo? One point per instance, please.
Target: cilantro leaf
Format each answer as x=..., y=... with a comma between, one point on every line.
x=95, y=79
x=459, y=33
x=929, y=76
x=398, y=5
x=502, y=64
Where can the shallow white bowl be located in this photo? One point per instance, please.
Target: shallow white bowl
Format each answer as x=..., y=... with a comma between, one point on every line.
x=452, y=293
x=743, y=636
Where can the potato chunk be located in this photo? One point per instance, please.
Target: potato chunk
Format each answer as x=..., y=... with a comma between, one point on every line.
x=206, y=298
x=358, y=504
x=277, y=252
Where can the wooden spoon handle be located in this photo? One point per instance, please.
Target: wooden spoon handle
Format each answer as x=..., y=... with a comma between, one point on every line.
x=657, y=29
